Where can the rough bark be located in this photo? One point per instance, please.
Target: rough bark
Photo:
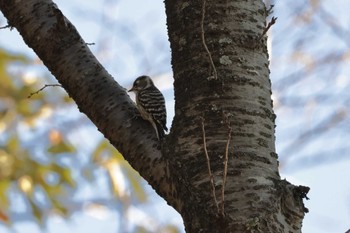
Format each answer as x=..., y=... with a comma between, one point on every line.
x=223, y=96
x=218, y=167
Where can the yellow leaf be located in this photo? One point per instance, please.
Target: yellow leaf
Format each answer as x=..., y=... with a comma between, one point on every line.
x=25, y=183
x=37, y=212
x=6, y=165
x=4, y=201
x=66, y=176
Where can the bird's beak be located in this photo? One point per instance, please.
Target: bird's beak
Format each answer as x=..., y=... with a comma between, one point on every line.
x=132, y=89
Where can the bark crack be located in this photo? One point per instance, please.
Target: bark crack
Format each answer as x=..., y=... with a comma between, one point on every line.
x=225, y=165
x=208, y=164
x=204, y=43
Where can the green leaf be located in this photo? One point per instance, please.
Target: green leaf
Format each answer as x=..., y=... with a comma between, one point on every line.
x=61, y=147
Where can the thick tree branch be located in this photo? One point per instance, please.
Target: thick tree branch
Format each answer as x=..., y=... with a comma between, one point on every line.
x=56, y=41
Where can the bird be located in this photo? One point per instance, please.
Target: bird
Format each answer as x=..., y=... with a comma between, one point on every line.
x=150, y=103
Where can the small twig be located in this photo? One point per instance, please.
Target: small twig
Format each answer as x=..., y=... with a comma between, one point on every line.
x=203, y=41
x=208, y=164
x=270, y=10
x=7, y=26
x=90, y=43
x=225, y=167
x=272, y=22
x=46, y=85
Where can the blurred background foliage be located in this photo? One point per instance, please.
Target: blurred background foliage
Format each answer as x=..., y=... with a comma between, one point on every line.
x=40, y=166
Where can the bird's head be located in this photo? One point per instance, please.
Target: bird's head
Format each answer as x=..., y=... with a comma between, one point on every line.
x=141, y=83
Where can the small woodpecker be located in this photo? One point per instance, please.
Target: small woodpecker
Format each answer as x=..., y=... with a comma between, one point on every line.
x=150, y=103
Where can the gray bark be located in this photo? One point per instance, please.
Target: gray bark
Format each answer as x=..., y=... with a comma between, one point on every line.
x=218, y=166
x=226, y=87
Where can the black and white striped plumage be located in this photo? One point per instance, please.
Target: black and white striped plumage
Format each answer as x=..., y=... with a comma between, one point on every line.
x=151, y=104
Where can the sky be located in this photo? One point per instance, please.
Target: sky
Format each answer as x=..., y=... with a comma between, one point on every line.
x=329, y=203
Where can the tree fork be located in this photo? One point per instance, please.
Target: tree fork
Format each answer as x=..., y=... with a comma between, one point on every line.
x=220, y=65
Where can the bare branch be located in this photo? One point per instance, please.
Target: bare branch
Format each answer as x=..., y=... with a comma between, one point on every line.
x=272, y=22
x=46, y=85
x=270, y=10
x=7, y=26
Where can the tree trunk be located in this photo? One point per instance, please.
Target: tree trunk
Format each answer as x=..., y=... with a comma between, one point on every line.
x=224, y=110
x=218, y=166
